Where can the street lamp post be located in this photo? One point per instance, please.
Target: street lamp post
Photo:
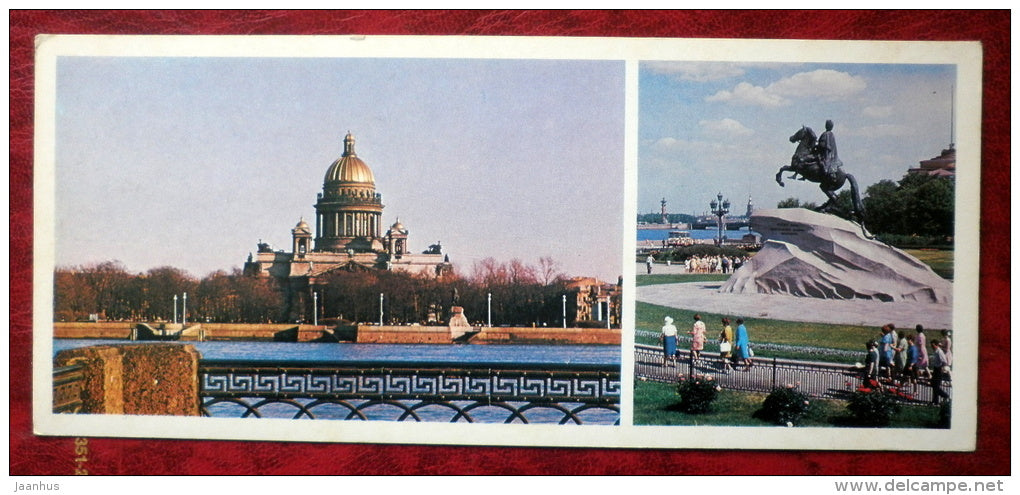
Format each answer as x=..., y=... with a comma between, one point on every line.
x=490, y=308
x=175, y=309
x=380, y=309
x=564, y=311
x=315, y=308
x=184, y=311
x=720, y=208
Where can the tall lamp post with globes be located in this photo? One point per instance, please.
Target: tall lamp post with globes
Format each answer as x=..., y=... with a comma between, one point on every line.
x=720, y=207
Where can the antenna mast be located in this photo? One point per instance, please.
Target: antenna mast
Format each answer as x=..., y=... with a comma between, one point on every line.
x=952, y=116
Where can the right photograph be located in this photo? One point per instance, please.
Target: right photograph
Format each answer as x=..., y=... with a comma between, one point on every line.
x=795, y=245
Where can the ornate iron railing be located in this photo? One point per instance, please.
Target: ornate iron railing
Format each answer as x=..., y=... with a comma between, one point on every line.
x=453, y=392
x=816, y=379
x=67, y=388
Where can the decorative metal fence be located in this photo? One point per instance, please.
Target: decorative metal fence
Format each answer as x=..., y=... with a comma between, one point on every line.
x=67, y=388
x=816, y=379
x=453, y=392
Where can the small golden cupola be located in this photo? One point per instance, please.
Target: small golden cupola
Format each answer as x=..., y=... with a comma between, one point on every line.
x=302, y=235
x=396, y=240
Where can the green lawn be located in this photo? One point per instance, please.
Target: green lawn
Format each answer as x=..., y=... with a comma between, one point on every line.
x=648, y=317
x=940, y=260
x=654, y=405
x=675, y=278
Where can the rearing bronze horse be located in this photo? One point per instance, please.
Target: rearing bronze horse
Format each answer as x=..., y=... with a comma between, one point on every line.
x=810, y=166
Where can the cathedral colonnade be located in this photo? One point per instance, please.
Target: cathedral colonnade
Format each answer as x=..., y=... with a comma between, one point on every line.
x=348, y=224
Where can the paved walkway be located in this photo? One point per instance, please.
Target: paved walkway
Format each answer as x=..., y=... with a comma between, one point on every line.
x=705, y=296
x=659, y=268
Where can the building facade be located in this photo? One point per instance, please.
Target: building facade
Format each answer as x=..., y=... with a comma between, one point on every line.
x=943, y=165
x=348, y=236
x=592, y=300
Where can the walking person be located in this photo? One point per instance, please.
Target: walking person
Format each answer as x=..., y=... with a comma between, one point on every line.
x=939, y=372
x=921, y=341
x=872, y=364
x=886, y=345
x=648, y=263
x=743, y=345
x=697, y=338
x=910, y=372
x=947, y=346
x=726, y=345
x=901, y=358
x=668, y=339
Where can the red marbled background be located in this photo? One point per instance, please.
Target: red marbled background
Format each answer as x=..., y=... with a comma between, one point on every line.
x=35, y=455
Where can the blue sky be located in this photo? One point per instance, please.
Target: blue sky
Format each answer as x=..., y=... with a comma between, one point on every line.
x=708, y=127
x=190, y=161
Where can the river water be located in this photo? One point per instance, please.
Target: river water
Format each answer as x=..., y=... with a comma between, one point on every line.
x=307, y=351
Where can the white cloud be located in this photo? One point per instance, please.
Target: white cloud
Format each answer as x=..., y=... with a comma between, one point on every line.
x=726, y=126
x=878, y=112
x=748, y=94
x=696, y=71
x=823, y=83
x=667, y=143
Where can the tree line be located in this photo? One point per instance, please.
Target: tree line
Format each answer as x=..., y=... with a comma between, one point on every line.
x=919, y=207
x=521, y=295
x=109, y=291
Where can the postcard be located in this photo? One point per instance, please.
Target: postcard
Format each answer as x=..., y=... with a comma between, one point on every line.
x=640, y=243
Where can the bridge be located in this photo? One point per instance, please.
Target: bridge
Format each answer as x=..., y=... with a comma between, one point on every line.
x=710, y=223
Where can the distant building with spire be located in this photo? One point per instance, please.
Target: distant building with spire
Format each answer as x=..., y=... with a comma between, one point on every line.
x=943, y=165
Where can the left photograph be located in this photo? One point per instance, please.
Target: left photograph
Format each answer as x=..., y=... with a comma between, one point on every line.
x=336, y=238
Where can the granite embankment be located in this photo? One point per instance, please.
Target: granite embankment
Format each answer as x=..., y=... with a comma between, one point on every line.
x=362, y=334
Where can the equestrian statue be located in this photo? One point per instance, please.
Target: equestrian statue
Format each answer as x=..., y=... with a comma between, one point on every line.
x=816, y=160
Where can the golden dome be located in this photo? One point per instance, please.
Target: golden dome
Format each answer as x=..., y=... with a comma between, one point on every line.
x=349, y=168
x=397, y=228
x=302, y=226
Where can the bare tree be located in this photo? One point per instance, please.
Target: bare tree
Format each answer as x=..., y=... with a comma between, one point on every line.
x=549, y=270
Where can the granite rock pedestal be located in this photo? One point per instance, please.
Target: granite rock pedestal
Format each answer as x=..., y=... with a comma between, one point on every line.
x=811, y=254
x=459, y=324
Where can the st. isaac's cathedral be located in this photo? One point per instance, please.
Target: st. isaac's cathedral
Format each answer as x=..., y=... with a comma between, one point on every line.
x=348, y=234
